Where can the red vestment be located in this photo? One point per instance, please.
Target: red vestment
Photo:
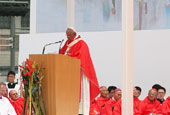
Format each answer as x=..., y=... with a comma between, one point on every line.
x=118, y=108
x=18, y=105
x=110, y=106
x=147, y=107
x=101, y=104
x=136, y=105
x=166, y=106
x=94, y=109
x=80, y=50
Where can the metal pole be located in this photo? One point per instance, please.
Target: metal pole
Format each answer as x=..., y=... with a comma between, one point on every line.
x=12, y=49
x=127, y=76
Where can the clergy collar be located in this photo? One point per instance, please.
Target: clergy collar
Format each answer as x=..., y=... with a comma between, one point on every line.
x=113, y=98
x=160, y=100
x=11, y=85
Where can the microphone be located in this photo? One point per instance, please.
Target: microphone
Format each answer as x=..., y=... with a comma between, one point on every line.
x=51, y=44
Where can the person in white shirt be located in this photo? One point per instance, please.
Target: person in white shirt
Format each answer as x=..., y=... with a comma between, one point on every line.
x=5, y=106
x=11, y=84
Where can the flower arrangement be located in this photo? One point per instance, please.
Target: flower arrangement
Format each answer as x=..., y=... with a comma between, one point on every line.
x=31, y=74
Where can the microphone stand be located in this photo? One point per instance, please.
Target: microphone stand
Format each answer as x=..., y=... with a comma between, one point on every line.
x=50, y=44
x=60, y=45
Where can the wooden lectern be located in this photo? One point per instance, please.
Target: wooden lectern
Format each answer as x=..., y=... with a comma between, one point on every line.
x=61, y=83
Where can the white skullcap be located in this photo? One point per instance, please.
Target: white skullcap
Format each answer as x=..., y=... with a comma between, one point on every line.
x=72, y=28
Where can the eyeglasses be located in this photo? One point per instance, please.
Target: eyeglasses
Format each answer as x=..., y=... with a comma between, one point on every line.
x=14, y=94
x=112, y=92
x=3, y=91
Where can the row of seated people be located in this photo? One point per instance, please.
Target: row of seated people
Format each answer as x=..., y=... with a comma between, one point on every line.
x=10, y=104
x=109, y=102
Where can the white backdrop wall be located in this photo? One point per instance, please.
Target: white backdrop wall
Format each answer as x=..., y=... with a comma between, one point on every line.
x=101, y=44
x=152, y=59
x=151, y=55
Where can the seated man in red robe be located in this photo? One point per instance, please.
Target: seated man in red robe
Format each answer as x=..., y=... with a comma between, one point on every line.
x=17, y=102
x=111, y=90
x=77, y=48
x=136, y=102
x=102, y=100
x=111, y=103
x=150, y=105
x=161, y=94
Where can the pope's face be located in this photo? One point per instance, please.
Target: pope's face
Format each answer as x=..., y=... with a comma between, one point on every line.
x=70, y=34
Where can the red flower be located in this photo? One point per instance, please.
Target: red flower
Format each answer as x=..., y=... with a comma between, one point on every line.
x=29, y=66
x=25, y=82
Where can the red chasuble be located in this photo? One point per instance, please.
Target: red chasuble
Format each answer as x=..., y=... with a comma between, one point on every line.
x=80, y=50
x=94, y=109
x=118, y=108
x=147, y=107
x=18, y=105
x=110, y=106
x=136, y=105
x=101, y=103
x=166, y=106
